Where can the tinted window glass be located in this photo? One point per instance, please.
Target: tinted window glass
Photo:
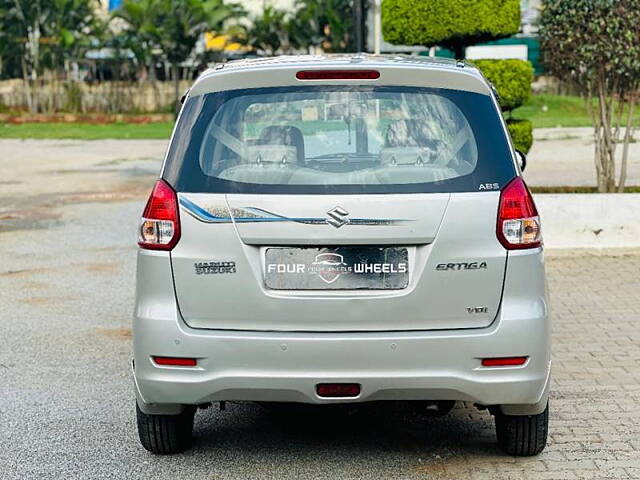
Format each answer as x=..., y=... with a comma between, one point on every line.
x=338, y=140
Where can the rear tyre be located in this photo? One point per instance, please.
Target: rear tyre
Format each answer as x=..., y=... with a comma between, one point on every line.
x=165, y=434
x=522, y=435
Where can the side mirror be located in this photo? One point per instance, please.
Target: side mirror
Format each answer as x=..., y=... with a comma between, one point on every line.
x=184, y=97
x=522, y=159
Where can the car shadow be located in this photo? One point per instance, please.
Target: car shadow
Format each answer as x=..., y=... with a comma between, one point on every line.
x=366, y=430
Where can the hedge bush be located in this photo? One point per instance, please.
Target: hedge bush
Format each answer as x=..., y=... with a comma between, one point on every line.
x=512, y=78
x=449, y=23
x=521, y=133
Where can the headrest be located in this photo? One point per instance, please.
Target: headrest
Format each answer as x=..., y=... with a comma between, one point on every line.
x=410, y=133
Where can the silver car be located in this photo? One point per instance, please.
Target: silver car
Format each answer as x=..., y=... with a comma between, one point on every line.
x=341, y=229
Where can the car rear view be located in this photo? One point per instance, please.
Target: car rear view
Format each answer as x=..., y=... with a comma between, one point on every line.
x=337, y=230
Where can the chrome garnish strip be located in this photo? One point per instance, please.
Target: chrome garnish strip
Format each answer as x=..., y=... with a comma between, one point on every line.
x=220, y=214
x=205, y=215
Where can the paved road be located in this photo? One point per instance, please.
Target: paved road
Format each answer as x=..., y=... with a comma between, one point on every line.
x=66, y=403
x=565, y=156
x=559, y=157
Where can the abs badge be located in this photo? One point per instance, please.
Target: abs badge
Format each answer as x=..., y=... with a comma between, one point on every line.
x=209, y=268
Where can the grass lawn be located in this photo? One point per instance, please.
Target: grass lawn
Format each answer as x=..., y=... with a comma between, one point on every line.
x=85, y=131
x=559, y=111
x=543, y=111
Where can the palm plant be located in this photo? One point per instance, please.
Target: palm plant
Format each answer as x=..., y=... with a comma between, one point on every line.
x=173, y=27
x=140, y=32
x=325, y=23
x=270, y=31
x=45, y=34
x=182, y=24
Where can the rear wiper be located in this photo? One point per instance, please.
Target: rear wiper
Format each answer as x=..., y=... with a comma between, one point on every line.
x=329, y=155
x=345, y=157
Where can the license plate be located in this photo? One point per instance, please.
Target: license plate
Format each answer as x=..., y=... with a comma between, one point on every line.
x=339, y=268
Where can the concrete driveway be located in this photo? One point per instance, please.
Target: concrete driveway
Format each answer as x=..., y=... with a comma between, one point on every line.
x=565, y=156
x=67, y=253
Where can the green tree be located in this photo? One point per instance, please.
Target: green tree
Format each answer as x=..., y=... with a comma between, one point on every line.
x=9, y=35
x=140, y=34
x=324, y=23
x=512, y=79
x=270, y=31
x=174, y=27
x=45, y=35
x=181, y=25
x=71, y=26
x=595, y=44
x=454, y=24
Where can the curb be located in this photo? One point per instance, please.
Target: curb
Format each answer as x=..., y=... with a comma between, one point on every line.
x=590, y=220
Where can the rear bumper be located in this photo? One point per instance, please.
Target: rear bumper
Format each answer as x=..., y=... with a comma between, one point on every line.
x=287, y=366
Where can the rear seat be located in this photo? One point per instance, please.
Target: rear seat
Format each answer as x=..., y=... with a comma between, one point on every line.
x=277, y=157
x=277, y=151
x=273, y=164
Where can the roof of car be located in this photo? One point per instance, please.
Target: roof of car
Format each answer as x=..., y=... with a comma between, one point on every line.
x=276, y=71
x=342, y=59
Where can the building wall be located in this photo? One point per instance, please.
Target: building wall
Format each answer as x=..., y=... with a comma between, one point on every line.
x=255, y=7
x=110, y=4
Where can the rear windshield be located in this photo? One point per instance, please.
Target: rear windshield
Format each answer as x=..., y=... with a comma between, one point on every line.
x=338, y=140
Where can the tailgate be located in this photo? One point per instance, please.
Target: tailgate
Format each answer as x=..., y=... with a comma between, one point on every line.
x=445, y=242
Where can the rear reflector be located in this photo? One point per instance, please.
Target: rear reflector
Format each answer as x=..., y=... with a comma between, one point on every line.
x=175, y=361
x=337, y=74
x=334, y=390
x=503, y=362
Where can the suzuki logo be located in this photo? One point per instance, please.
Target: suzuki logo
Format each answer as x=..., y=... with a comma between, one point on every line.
x=337, y=217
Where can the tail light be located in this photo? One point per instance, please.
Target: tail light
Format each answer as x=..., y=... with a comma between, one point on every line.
x=160, y=223
x=518, y=221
